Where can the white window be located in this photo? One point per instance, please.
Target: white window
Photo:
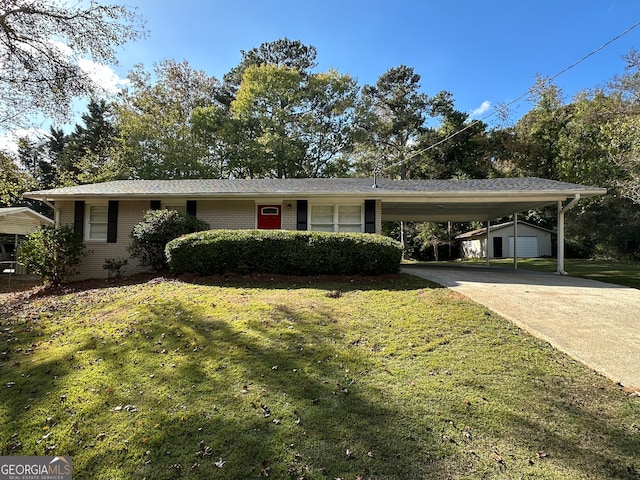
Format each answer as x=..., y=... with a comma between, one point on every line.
x=336, y=218
x=349, y=218
x=96, y=224
x=322, y=218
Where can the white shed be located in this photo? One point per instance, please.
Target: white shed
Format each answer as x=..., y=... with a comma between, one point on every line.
x=532, y=241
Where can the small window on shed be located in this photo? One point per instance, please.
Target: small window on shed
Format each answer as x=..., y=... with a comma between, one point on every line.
x=269, y=211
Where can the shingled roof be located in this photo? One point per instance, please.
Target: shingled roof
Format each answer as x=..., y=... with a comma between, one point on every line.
x=315, y=186
x=408, y=200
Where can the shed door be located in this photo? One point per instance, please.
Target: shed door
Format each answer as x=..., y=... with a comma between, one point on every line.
x=497, y=247
x=527, y=247
x=269, y=217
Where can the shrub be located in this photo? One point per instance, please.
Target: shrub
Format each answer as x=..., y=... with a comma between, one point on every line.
x=115, y=265
x=52, y=252
x=158, y=227
x=283, y=252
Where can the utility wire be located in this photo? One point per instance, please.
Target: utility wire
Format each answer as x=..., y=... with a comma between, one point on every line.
x=493, y=112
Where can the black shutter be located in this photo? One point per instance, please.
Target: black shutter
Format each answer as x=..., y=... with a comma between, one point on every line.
x=301, y=213
x=112, y=222
x=192, y=207
x=369, y=216
x=155, y=205
x=78, y=218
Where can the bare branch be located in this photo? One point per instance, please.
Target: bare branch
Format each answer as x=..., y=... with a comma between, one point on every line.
x=41, y=44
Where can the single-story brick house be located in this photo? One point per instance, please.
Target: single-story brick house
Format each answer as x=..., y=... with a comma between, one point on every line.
x=529, y=241
x=105, y=213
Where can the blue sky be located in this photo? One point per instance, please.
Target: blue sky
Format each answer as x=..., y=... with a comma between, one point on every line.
x=483, y=52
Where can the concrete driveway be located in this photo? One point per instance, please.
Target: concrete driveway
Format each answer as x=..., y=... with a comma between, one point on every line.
x=596, y=323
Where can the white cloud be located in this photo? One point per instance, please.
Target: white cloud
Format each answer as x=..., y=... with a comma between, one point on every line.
x=9, y=140
x=103, y=76
x=483, y=108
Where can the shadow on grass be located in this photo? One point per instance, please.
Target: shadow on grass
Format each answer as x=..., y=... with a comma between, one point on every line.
x=172, y=391
x=278, y=405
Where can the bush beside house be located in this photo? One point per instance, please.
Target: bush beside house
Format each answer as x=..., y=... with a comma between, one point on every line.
x=156, y=229
x=52, y=252
x=283, y=252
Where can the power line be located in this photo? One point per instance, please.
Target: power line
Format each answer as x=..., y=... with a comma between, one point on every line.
x=493, y=112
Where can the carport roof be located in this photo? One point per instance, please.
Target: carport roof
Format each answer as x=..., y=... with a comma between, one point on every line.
x=408, y=200
x=20, y=220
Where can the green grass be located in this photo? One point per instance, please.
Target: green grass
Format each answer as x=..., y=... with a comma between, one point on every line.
x=238, y=379
x=619, y=273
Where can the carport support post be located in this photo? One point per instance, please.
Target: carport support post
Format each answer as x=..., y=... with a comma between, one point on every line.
x=561, y=211
x=515, y=241
x=486, y=250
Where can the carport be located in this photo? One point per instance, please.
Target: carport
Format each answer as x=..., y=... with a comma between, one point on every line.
x=486, y=200
x=15, y=223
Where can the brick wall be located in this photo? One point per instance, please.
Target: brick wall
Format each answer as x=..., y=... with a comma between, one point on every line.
x=129, y=214
x=235, y=214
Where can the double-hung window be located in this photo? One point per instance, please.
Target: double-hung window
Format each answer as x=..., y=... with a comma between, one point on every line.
x=322, y=218
x=349, y=218
x=335, y=218
x=97, y=222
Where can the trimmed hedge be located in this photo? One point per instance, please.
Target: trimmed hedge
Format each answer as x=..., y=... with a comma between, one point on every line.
x=283, y=252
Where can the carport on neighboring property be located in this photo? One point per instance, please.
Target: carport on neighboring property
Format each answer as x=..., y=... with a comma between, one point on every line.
x=594, y=322
x=15, y=223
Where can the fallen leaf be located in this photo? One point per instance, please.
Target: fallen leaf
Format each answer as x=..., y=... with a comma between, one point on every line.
x=497, y=458
x=264, y=473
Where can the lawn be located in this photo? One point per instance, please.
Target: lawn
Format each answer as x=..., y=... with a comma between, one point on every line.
x=237, y=378
x=619, y=273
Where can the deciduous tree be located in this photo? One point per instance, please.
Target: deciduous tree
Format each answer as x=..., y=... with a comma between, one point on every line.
x=287, y=53
x=304, y=119
x=44, y=48
x=13, y=182
x=154, y=124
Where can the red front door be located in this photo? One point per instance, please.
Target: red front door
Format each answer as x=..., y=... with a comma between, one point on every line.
x=269, y=217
